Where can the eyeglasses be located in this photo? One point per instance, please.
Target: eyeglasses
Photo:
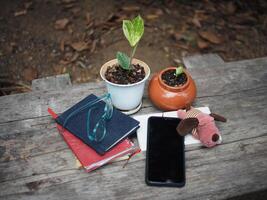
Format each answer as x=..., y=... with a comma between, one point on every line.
x=98, y=131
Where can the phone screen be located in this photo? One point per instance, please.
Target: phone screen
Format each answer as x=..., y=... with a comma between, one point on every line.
x=165, y=162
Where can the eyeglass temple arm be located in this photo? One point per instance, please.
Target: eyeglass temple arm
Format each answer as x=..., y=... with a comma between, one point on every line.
x=85, y=106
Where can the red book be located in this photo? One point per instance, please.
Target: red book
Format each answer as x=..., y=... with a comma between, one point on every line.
x=89, y=159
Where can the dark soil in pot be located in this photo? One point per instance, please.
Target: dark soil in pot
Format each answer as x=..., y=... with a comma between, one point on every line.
x=118, y=75
x=169, y=77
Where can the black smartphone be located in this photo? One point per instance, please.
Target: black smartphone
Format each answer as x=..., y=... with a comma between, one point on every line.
x=165, y=157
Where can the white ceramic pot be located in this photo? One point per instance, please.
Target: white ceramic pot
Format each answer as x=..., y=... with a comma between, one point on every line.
x=125, y=97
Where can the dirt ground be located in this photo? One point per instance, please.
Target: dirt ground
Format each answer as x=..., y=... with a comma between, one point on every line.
x=46, y=37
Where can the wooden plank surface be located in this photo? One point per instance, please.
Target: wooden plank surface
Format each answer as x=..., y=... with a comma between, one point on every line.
x=196, y=61
x=57, y=82
x=60, y=157
x=35, y=163
x=219, y=173
x=210, y=81
x=240, y=108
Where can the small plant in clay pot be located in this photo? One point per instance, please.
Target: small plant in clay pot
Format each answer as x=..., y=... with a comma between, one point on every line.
x=172, y=89
x=174, y=77
x=125, y=76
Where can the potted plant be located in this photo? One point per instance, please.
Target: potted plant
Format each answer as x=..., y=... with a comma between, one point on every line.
x=125, y=76
x=172, y=89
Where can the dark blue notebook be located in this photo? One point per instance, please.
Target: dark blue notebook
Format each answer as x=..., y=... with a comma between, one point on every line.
x=118, y=127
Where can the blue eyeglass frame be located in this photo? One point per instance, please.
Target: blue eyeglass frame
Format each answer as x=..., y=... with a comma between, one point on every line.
x=99, y=131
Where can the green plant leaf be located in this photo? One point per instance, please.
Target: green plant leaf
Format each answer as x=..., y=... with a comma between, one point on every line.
x=179, y=70
x=133, y=30
x=123, y=60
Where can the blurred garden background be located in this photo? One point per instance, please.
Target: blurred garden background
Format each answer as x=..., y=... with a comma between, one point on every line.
x=41, y=38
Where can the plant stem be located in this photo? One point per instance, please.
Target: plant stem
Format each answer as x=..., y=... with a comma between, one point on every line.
x=132, y=55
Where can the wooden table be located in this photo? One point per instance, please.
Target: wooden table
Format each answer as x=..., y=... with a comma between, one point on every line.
x=35, y=162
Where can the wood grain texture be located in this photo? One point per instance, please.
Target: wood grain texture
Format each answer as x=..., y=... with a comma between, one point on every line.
x=196, y=61
x=216, y=173
x=229, y=78
x=57, y=82
x=36, y=154
x=35, y=162
x=32, y=136
x=210, y=81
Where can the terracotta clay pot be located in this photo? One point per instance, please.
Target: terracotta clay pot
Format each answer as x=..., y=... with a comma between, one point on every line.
x=168, y=98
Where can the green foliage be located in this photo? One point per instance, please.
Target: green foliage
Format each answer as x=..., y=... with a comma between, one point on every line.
x=179, y=70
x=123, y=60
x=133, y=30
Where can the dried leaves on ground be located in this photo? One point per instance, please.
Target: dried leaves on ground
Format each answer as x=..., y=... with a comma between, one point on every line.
x=61, y=24
x=80, y=46
x=211, y=37
x=79, y=34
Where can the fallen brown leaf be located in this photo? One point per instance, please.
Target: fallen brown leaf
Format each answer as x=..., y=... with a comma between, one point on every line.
x=68, y=55
x=184, y=36
x=202, y=44
x=68, y=1
x=74, y=57
x=211, y=37
x=196, y=22
x=69, y=58
x=88, y=18
x=70, y=30
x=81, y=64
x=158, y=11
x=93, y=46
x=88, y=26
x=75, y=11
x=29, y=74
x=13, y=44
x=199, y=16
x=176, y=36
x=182, y=46
x=130, y=8
x=83, y=37
x=58, y=69
x=102, y=42
x=166, y=49
x=61, y=24
x=19, y=13
x=64, y=70
x=152, y=16
x=64, y=62
x=27, y=5
x=79, y=46
x=62, y=45
x=68, y=6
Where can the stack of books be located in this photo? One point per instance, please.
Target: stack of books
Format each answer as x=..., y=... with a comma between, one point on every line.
x=94, y=154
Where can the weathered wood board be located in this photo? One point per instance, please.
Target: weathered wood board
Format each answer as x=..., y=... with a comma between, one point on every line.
x=205, y=60
x=57, y=82
x=35, y=162
x=210, y=81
